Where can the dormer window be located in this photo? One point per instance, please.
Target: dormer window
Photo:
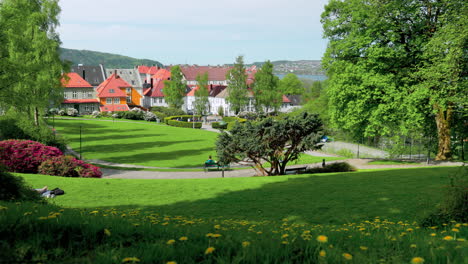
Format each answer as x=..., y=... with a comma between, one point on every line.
x=111, y=91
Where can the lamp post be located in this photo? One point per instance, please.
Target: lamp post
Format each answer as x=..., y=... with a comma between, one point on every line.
x=80, y=142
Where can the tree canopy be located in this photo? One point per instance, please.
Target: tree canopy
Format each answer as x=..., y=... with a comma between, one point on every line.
x=275, y=141
x=396, y=65
x=175, y=89
x=290, y=84
x=266, y=91
x=237, y=86
x=202, y=103
x=31, y=68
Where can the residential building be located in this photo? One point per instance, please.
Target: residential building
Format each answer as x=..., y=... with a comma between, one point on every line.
x=216, y=74
x=132, y=77
x=94, y=75
x=115, y=94
x=79, y=94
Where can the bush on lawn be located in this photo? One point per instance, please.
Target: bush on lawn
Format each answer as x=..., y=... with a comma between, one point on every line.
x=25, y=155
x=167, y=111
x=149, y=116
x=96, y=114
x=333, y=167
x=159, y=115
x=182, y=118
x=14, y=188
x=72, y=112
x=217, y=125
x=69, y=166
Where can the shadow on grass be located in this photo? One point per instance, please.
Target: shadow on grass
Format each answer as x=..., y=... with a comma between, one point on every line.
x=399, y=194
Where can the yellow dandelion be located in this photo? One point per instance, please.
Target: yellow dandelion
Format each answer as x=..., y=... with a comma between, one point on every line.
x=3, y=208
x=433, y=234
x=413, y=246
x=284, y=236
x=284, y=242
x=259, y=232
x=170, y=241
x=107, y=232
x=448, y=238
x=347, y=256
x=217, y=226
x=245, y=244
x=417, y=260
x=93, y=212
x=184, y=238
x=363, y=248
x=209, y=235
x=132, y=259
x=42, y=218
x=209, y=250
x=409, y=229
x=27, y=213
x=217, y=235
x=322, y=253
x=171, y=262
x=461, y=239
x=455, y=230
x=322, y=239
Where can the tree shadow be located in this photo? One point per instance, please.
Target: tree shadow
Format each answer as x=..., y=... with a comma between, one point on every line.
x=400, y=194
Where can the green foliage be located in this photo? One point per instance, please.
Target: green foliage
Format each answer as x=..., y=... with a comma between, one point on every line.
x=176, y=123
x=266, y=91
x=275, y=141
x=14, y=188
x=229, y=119
x=219, y=125
x=202, y=104
x=174, y=89
x=333, y=167
x=402, y=79
x=237, y=86
x=221, y=110
x=111, y=61
x=33, y=54
x=167, y=111
x=290, y=84
x=183, y=118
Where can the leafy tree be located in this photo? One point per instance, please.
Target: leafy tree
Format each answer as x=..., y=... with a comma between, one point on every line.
x=319, y=103
x=175, y=89
x=266, y=91
x=202, y=103
x=290, y=84
x=277, y=142
x=395, y=65
x=30, y=51
x=237, y=86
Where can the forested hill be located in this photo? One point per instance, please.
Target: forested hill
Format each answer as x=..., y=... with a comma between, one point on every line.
x=306, y=67
x=88, y=57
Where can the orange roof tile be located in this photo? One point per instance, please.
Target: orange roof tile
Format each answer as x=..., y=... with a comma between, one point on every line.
x=162, y=74
x=75, y=81
x=111, y=87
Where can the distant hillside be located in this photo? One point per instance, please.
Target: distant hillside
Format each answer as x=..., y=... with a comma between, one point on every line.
x=88, y=57
x=306, y=67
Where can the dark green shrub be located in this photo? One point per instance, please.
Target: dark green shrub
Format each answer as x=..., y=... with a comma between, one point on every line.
x=219, y=125
x=183, y=118
x=167, y=111
x=14, y=188
x=160, y=115
x=184, y=124
x=333, y=167
x=228, y=119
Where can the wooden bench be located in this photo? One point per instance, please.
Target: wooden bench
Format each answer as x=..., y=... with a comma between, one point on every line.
x=295, y=170
x=214, y=165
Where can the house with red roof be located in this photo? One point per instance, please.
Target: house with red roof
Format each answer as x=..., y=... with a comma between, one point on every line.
x=79, y=94
x=216, y=74
x=115, y=94
x=154, y=96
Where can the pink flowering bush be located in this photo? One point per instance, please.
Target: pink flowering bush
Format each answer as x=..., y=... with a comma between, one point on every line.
x=25, y=155
x=69, y=166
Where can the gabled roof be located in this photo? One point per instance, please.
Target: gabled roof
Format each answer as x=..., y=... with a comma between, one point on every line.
x=148, y=69
x=216, y=89
x=192, y=92
x=114, y=107
x=131, y=76
x=75, y=81
x=215, y=73
x=294, y=99
x=285, y=99
x=225, y=93
x=92, y=74
x=157, y=90
x=113, y=83
x=162, y=74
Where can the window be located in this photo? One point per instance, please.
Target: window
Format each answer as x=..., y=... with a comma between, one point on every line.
x=83, y=94
x=154, y=100
x=116, y=100
x=111, y=91
x=129, y=99
x=133, y=82
x=65, y=95
x=108, y=100
x=86, y=108
x=75, y=95
x=129, y=90
x=90, y=94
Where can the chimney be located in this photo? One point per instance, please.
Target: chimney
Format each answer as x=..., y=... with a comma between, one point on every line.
x=151, y=83
x=115, y=72
x=84, y=74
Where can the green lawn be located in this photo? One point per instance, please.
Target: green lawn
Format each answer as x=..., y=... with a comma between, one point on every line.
x=403, y=194
x=146, y=144
x=392, y=162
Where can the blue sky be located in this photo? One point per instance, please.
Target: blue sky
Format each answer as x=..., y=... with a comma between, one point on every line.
x=196, y=32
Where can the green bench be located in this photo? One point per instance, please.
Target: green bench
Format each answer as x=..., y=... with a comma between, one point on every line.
x=213, y=164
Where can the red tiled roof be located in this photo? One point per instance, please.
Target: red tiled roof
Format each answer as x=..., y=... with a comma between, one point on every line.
x=192, y=92
x=75, y=81
x=157, y=90
x=113, y=82
x=80, y=101
x=152, y=70
x=114, y=108
x=162, y=74
x=215, y=73
x=285, y=99
x=143, y=69
x=148, y=69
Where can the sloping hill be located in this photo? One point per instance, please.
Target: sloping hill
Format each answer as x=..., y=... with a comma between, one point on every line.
x=307, y=67
x=88, y=57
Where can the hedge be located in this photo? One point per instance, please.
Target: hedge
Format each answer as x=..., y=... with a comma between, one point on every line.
x=216, y=125
x=183, y=117
x=229, y=119
x=184, y=124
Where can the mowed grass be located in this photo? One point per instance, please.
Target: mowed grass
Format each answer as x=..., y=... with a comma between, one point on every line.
x=147, y=144
x=399, y=194
x=144, y=143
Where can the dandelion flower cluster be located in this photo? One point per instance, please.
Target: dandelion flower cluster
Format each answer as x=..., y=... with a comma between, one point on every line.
x=209, y=250
x=322, y=239
x=417, y=260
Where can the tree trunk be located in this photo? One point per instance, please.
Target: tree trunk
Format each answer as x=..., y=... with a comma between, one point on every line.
x=36, y=116
x=443, y=119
